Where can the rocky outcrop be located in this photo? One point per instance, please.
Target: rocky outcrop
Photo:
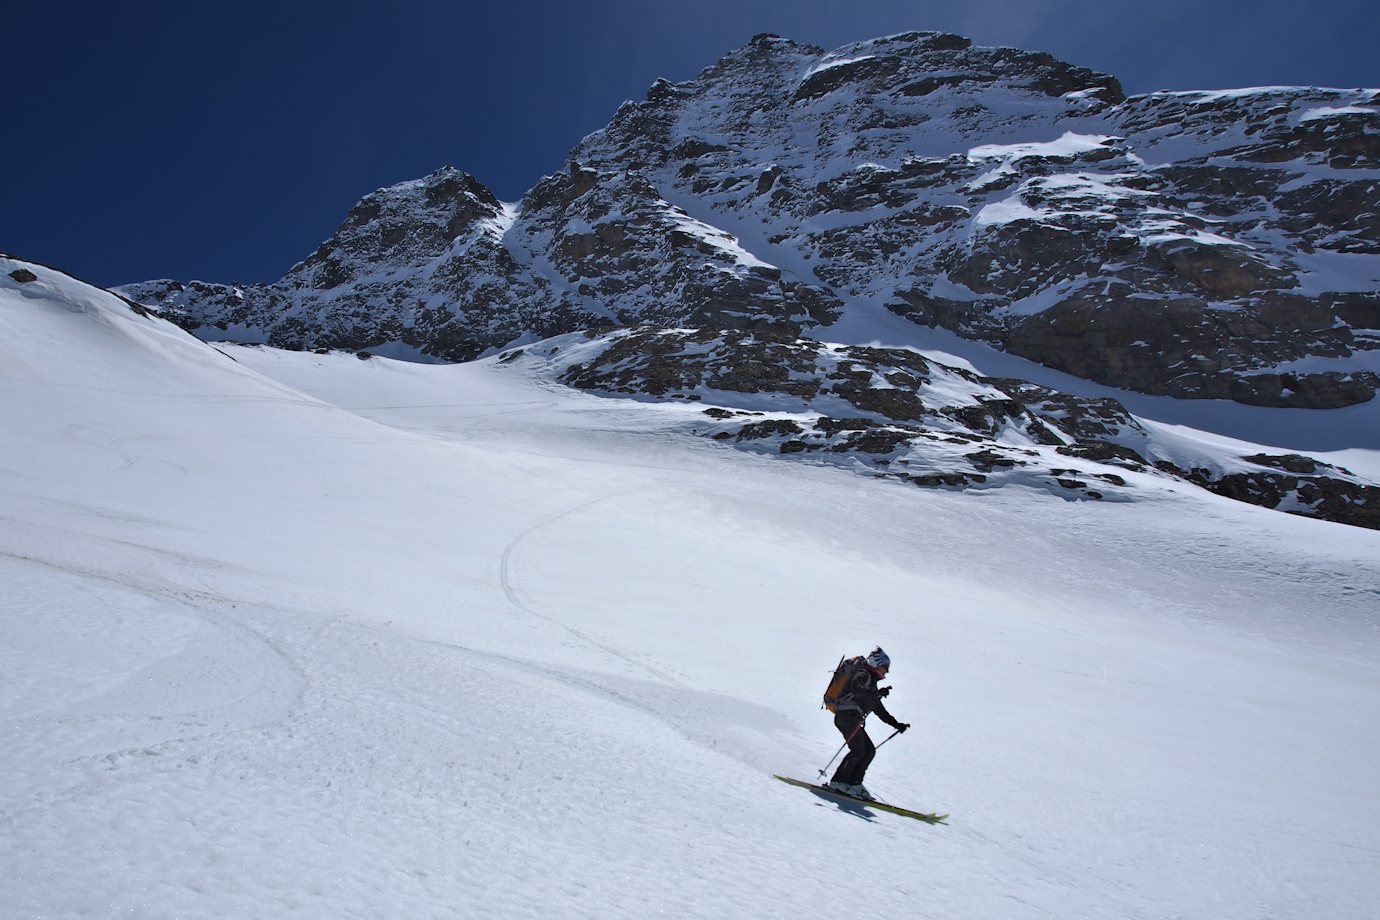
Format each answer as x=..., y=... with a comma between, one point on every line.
x=1309, y=488
x=634, y=257
x=896, y=414
x=420, y=268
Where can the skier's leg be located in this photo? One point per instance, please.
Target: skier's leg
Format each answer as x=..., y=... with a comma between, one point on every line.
x=864, y=760
x=850, y=725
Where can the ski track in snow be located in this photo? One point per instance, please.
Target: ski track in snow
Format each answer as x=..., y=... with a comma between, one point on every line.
x=510, y=591
x=183, y=672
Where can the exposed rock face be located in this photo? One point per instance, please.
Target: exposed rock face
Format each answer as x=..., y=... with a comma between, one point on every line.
x=1208, y=244
x=421, y=267
x=897, y=414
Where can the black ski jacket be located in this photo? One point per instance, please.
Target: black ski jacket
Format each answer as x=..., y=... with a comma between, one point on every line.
x=863, y=696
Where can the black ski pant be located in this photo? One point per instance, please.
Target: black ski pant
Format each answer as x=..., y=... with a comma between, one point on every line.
x=861, y=750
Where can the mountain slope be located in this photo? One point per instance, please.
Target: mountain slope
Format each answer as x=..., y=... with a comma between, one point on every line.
x=451, y=640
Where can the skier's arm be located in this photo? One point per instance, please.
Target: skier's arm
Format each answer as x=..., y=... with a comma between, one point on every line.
x=885, y=716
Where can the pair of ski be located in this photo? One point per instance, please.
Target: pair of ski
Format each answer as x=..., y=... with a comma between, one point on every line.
x=870, y=803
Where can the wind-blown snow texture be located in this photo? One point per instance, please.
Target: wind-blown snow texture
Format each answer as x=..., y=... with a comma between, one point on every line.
x=1213, y=244
x=307, y=635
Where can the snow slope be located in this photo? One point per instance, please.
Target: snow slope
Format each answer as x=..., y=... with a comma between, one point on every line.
x=298, y=635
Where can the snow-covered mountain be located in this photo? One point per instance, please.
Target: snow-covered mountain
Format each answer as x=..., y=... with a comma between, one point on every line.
x=288, y=634
x=1211, y=244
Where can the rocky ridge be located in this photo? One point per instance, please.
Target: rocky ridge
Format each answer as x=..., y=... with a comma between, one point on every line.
x=418, y=270
x=1213, y=244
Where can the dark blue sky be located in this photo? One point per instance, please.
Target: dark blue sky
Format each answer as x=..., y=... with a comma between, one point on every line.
x=225, y=141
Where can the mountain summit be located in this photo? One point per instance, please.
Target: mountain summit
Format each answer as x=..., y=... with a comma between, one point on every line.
x=1203, y=244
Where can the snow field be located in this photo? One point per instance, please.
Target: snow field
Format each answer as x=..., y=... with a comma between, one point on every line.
x=500, y=648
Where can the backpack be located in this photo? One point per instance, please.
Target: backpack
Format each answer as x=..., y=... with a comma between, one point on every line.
x=838, y=684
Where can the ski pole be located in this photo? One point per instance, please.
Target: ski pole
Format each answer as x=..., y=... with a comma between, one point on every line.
x=845, y=744
x=888, y=737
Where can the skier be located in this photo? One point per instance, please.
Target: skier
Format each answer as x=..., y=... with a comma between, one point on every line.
x=861, y=696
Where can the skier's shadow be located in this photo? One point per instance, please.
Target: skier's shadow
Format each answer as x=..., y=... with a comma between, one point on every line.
x=849, y=806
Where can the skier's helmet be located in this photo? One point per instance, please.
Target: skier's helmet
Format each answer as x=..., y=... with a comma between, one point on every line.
x=878, y=659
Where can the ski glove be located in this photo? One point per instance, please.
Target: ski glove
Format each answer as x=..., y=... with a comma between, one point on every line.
x=883, y=691
x=902, y=726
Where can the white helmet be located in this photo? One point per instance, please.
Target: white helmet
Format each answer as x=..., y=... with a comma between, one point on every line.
x=878, y=659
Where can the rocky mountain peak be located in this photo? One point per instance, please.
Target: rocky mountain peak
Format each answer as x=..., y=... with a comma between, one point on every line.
x=407, y=224
x=919, y=63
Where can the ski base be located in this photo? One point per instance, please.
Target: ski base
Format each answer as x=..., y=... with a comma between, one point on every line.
x=870, y=803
